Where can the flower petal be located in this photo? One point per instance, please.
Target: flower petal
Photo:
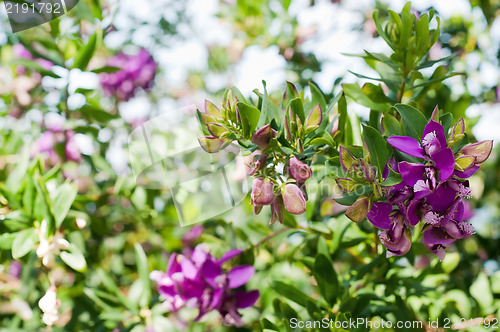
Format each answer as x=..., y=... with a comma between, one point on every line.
x=442, y=198
x=211, y=270
x=230, y=254
x=240, y=275
x=379, y=215
x=436, y=235
x=246, y=299
x=406, y=144
x=438, y=129
x=444, y=161
x=467, y=173
x=412, y=212
x=411, y=173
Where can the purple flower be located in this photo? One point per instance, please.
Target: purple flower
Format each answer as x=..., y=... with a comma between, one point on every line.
x=137, y=71
x=432, y=148
x=199, y=281
x=431, y=192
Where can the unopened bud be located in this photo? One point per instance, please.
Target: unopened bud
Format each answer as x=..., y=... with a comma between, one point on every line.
x=480, y=150
x=263, y=136
x=294, y=199
x=262, y=192
x=298, y=170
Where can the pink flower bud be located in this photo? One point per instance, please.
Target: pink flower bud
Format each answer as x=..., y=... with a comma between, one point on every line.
x=294, y=199
x=277, y=210
x=262, y=192
x=263, y=136
x=298, y=170
x=259, y=164
x=480, y=150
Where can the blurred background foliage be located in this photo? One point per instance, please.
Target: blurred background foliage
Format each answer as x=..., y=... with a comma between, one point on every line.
x=315, y=266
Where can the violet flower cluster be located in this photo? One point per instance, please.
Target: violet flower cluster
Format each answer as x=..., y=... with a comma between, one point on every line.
x=199, y=281
x=432, y=192
x=137, y=71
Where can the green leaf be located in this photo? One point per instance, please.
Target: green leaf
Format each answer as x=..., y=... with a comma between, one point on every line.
x=113, y=289
x=325, y=138
x=84, y=55
x=390, y=125
x=16, y=178
x=414, y=121
x=64, y=197
x=297, y=109
x=377, y=146
x=326, y=277
x=393, y=178
x=354, y=92
x=290, y=93
x=380, y=30
x=318, y=97
x=446, y=120
x=481, y=292
x=74, y=258
x=249, y=118
x=143, y=270
x=6, y=240
x=96, y=113
x=375, y=93
x=45, y=204
x=291, y=292
x=30, y=64
x=23, y=243
x=450, y=262
x=347, y=200
x=342, y=110
x=106, y=69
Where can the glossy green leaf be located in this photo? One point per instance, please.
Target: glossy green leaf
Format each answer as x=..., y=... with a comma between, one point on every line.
x=84, y=55
x=377, y=146
x=143, y=270
x=249, y=118
x=291, y=292
x=64, y=197
x=326, y=278
x=414, y=121
x=74, y=258
x=23, y=243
